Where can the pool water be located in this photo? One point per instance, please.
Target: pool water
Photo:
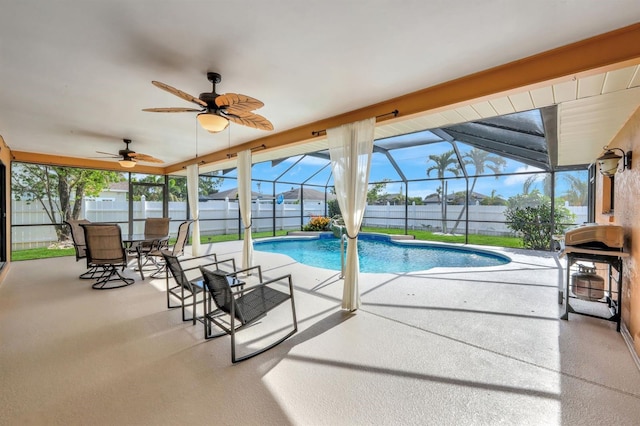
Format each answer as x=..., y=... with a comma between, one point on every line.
x=381, y=254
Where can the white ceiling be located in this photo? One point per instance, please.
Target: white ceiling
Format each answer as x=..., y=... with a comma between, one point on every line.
x=75, y=75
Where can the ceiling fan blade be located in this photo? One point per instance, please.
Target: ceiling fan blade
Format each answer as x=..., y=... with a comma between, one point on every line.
x=237, y=102
x=250, y=119
x=172, y=110
x=144, y=157
x=179, y=93
x=111, y=155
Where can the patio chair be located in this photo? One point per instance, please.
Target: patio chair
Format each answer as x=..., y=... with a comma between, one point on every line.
x=155, y=253
x=80, y=246
x=153, y=226
x=106, y=253
x=247, y=306
x=186, y=289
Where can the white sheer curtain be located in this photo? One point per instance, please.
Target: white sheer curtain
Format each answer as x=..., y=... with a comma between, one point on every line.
x=193, y=182
x=244, y=196
x=350, y=148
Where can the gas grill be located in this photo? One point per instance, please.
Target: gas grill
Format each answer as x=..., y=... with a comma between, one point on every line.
x=598, y=244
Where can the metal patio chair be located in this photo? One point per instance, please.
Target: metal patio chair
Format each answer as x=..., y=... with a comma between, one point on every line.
x=106, y=253
x=188, y=283
x=153, y=226
x=80, y=246
x=155, y=253
x=246, y=306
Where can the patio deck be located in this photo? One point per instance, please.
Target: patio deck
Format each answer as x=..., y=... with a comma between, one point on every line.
x=476, y=346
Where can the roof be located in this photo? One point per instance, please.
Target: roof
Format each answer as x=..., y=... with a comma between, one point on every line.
x=307, y=194
x=231, y=194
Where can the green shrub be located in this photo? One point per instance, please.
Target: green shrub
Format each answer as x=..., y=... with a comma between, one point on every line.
x=533, y=224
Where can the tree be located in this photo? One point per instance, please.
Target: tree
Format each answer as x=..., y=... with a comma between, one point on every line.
x=493, y=200
x=376, y=190
x=446, y=162
x=527, y=186
x=480, y=160
x=529, y=215
x=177, y=187
x=333, y=208
x=59, y=190
x=578, y=191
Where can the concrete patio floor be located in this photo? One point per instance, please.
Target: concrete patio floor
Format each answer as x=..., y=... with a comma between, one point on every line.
x=479, y=346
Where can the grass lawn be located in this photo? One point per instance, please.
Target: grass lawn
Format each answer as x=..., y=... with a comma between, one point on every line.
x=484, y=240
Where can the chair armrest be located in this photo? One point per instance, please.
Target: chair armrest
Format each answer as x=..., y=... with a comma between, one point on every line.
x=197, y=267
x=232, y=260
x=193, y=268
x=187, y=259
x=258, y=267
x=266, y=283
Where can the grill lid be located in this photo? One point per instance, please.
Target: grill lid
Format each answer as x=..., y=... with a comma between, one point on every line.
x=591, y=235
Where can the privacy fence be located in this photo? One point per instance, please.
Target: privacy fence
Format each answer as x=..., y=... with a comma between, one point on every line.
x=32, y=228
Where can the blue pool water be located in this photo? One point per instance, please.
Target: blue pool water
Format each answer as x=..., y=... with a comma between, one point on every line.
x=378, y=253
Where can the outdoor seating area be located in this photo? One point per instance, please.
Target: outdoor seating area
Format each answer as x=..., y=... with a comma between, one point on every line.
x=214, y=288
x=444, y=346
x=106, y=250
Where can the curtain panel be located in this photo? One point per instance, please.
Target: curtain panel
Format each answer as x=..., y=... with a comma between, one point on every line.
x=193, y=183
x=350, y=149
x=244, y=197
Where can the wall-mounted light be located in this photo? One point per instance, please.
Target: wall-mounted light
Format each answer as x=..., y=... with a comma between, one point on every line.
x=609, y=161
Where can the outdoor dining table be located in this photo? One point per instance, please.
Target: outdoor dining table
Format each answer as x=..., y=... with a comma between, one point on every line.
x=130, y=240
x=133, y=242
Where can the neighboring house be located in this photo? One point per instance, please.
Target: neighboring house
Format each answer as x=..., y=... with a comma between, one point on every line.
x=116, y=192
x=308, y=194
x=231, y=194
x=455, y=199
x=392, y=199
x=432, y=199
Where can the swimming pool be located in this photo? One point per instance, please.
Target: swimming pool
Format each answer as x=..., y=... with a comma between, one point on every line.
x=378, y=253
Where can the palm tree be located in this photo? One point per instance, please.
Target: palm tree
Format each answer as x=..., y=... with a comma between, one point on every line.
x=578, y=190
x=546, y=184
x=480, y=159
x=445, y=162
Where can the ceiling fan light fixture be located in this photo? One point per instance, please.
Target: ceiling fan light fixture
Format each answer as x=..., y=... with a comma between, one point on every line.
x=212, y=122
x=127, y=164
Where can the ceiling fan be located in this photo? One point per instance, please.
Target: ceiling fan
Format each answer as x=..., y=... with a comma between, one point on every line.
x=215, y=111
x=129, y=158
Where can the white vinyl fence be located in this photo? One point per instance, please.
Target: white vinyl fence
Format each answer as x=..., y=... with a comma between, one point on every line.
x=222, y=217
x=484, y=220
x=216, y=217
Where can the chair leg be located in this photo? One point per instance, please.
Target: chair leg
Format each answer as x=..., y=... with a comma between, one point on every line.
x=162, y=269
x=140, y=266
x=235, y=359
x=90, y=274
x=109, y=271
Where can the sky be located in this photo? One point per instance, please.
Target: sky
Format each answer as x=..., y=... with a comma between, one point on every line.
x=413, y=161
